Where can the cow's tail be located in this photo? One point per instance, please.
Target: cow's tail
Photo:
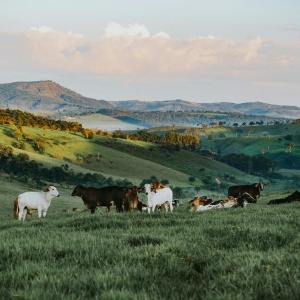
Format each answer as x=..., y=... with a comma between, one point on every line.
x=16, y=209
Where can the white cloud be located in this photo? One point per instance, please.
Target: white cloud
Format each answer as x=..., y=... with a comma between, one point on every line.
x=134, y=51
x=114, y=29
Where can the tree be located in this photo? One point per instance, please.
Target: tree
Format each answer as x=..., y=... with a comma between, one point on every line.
x=165, y=181
x=6, y=153
x=177, y=191
x=151, y=149
x=192, y=179
x=17, y=133
x=88, y=133
x=197, y=189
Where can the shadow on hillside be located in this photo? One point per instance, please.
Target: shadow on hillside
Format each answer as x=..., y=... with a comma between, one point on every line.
x=7, y=132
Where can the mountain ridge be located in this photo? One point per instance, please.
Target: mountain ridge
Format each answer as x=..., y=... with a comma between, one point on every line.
x=50, y=97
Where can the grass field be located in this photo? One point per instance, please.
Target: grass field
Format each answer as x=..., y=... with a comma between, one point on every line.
x=250, y=253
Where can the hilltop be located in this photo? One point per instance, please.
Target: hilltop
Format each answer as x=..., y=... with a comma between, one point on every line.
x=44, y=97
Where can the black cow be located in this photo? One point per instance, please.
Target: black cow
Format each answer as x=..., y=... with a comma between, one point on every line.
x=105, y=196
x=245, y=199
x=291, y=198
x=252, y=189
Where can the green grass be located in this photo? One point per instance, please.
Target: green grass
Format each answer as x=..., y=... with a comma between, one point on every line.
x=250, y=253
x=120, y=158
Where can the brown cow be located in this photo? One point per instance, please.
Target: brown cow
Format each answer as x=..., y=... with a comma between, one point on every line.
x=16, y=210
x=105, y=196
x=131, y=199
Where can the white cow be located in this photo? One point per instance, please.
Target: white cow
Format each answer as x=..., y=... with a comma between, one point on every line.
x=158, y=197
x=36, y=200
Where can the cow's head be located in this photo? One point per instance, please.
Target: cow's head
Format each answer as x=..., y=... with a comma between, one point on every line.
x=147, y=188
x=52, y=191
x=261, y=185
x=77, y=190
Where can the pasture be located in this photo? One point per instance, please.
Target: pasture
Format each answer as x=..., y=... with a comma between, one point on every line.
x=249, y=253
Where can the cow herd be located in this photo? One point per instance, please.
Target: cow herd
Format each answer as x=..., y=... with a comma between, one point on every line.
x=126, y=199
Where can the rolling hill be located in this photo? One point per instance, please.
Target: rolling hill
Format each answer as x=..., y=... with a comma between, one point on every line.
x=120, y=158
x=44, y=97
x=247, y=108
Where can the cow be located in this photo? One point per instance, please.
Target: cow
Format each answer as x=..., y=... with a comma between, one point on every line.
x=131, y=199
x=36, y=200
x=244, y=199
x=163, y=206
x=253, y=190
x=197, y=201
x=156, y=186
x=204, y=203
x=291, y=198
x=158, y=197
x=16, y=210
x=106, y=196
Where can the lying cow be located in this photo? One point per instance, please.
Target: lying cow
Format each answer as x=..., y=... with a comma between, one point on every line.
x=291, y=198
x=36, y=200
x=200, y=204
x=105, y=196
x=16, y=210
x=197, y=201
x=253, y=190
x=245, y=199
x=158, y=197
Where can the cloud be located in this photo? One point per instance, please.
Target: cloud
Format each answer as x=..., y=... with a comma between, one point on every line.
x=135, y=52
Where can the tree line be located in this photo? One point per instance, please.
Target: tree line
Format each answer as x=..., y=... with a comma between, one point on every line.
x=20, y=118
x=169, y=139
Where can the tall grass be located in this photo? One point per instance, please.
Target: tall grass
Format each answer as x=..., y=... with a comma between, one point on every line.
x=250, y=253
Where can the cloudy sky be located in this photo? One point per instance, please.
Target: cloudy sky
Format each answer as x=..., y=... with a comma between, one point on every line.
x=195, y=50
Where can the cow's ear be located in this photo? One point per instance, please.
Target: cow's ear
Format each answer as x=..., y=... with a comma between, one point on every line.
x=46, y=190
x=256, y=185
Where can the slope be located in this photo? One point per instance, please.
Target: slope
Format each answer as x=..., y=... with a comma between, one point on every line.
x=46, y=96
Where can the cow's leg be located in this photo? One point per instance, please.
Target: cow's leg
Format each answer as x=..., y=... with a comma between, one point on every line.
x=39, y=209
x=171, y=206
x=44, y=212
x=21, y=210
x=24, y=214
x=93, y=209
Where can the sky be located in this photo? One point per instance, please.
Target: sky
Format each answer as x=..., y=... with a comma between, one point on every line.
x=152, y=50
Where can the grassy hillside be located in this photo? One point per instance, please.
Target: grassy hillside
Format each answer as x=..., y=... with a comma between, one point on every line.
x=250, y=140
x=133, y=160
x=119, y=158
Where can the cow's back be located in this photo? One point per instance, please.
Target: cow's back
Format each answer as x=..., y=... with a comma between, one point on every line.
x=238, y=190
x=31, y=199
x=105, y=195
x=163, y=195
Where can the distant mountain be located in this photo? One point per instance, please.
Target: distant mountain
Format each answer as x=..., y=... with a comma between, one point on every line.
x=46, y=96
x=248, y=108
